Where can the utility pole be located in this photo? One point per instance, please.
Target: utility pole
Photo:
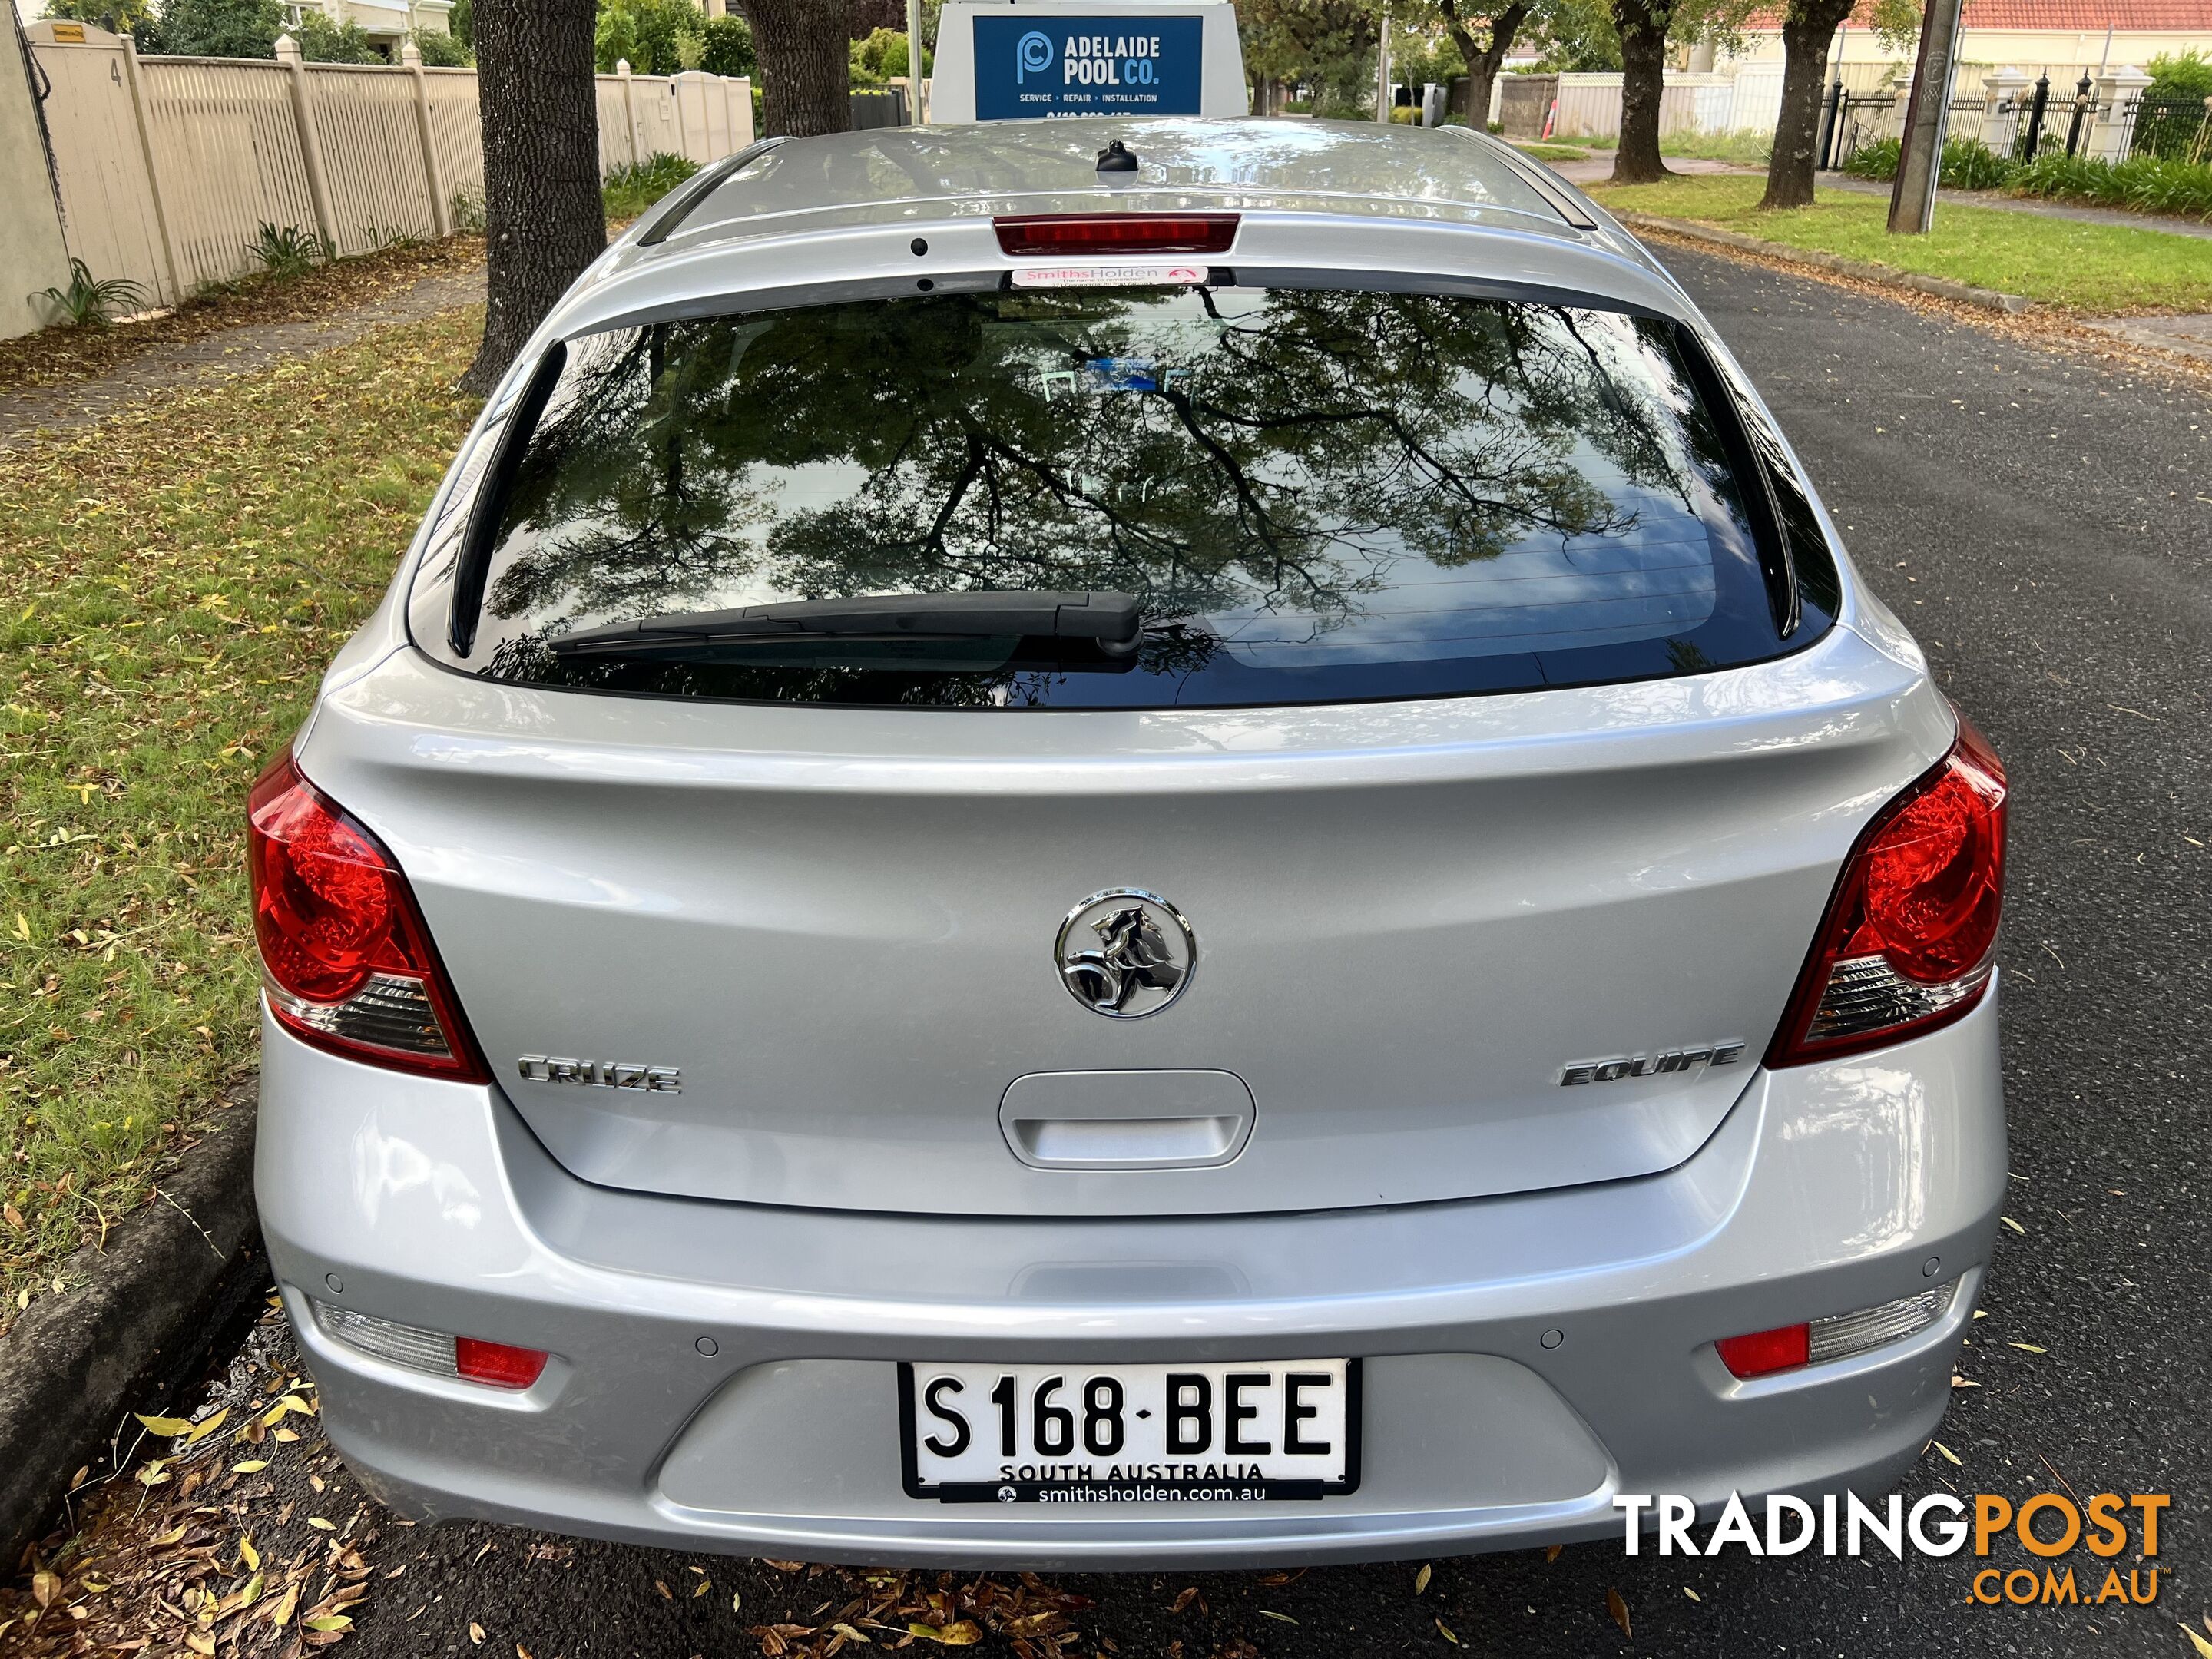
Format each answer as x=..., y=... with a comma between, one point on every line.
x=1382, y=71
x=1920, y=165
x=914, y=61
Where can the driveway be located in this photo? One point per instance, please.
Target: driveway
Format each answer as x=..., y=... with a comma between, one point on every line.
x=2046, y=527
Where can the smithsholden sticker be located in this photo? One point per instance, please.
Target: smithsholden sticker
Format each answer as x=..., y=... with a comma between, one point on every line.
x=1109, y=276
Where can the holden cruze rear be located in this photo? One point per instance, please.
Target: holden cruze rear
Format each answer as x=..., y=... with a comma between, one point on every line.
x=1040, y=865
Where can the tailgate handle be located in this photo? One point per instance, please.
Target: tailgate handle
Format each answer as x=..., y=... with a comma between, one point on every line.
x=1127, y=1119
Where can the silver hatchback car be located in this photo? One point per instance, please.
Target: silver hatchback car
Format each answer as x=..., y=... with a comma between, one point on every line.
x=1110, y=843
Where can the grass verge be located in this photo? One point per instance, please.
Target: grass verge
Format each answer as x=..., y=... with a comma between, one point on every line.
x=171, y=581
x=2087, y=268
x=56, y=356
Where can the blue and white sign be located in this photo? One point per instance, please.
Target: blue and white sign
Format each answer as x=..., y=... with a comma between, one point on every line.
x=1027, y=65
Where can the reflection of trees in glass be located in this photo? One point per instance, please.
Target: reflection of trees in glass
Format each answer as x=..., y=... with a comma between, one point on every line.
x=1208, y=450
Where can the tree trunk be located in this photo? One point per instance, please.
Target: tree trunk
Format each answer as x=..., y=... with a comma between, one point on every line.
x=805, y=66
x=1641, y=26
x=543, y=217
x=1483, y=58
x=1805, y=34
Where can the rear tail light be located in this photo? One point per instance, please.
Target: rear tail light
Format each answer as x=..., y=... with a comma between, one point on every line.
x=1115, y=233
x=346, y=961
x=1815, y=1341
x=1910, y=938
x=496, y=1364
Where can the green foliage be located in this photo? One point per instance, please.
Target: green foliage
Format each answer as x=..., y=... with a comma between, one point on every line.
x=468, y=210
x=1577, y=36
x=220, y=28
x=2096, y=269
x=2184, y=75
x=655, y=36
x=882, y=56
x=290, y=251
x=2146, y=184
x=322, y=41
x=462, y=21
x=115, y=17
x=442, y=50
x=729, y=43
x=629, y=190
x=1968, y=164
x=90, y=302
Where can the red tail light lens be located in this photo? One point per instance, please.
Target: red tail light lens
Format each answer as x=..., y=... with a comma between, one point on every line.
x=346, y=961
x=496, y=1364
x=1910, y=938
x=1764, y=1353
x=1115, y=233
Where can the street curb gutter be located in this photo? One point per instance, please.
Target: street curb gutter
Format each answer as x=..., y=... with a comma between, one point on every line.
x=1941, y=287
x=74, y=1362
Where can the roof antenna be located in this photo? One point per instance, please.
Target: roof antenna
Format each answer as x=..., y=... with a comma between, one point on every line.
x=1116, y=158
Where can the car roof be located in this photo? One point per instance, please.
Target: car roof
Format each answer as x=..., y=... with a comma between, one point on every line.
x=1314, y=194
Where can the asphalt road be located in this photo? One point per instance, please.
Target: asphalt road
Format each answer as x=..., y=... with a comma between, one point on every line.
x=2043, y=523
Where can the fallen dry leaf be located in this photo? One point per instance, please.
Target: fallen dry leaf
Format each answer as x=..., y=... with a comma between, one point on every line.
x=1949, y=1454
x=1619, y=1608
x=1445, y=1631
x=1421, y=1579
x=2203, y=1647
x=476, y=1634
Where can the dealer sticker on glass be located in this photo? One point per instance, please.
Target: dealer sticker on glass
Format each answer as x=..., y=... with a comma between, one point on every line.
x=1115, y=1434
x=1110, y=276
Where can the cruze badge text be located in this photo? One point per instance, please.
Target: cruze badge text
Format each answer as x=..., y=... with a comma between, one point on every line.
x=1673, y=1060
x=601, y=1073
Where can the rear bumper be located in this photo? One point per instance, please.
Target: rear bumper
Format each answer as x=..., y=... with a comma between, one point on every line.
x=1828, y=1188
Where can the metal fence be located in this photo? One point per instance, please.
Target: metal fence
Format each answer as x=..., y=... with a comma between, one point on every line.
x=2172, y=129
x=168, y=167
x=2019, y=119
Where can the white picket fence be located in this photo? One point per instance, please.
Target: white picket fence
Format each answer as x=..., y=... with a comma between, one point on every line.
x=1747, y=101
x=169, y=167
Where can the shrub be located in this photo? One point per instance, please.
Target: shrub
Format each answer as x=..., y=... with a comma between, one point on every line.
x=729, y=47
x=2146, y=184
x=468, y=208
x=322, y=41
x=219, y=28
x=290, y=251
x=442, y=50
x=1968, y=164
x=2187, y=75
x=629, y=190
x=90, y=302
x=881, y=56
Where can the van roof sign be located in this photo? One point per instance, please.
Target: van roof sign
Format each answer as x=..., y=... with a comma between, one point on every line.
x=1013, y=60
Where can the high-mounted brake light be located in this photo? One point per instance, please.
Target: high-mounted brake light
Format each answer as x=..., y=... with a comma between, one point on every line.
x=346, y=961
x=1115, y=233
x=1909, y=941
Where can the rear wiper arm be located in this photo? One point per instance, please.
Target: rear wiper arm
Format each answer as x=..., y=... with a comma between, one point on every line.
x=1108, y=621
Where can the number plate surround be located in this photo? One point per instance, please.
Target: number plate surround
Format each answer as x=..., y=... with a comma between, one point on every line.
x=1130, y=1494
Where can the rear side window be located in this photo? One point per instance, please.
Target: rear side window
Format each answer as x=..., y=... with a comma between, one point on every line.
x=1315, y=495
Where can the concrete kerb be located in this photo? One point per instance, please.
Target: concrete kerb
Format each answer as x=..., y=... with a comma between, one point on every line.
x=74, y=1364
x=1941, y=288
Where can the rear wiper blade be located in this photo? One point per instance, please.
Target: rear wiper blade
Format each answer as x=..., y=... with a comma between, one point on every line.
x=1110, y=620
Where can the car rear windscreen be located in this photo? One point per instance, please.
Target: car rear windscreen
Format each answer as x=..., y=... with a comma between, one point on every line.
x=1315, y=495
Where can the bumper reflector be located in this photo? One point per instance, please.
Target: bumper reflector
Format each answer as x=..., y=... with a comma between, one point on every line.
x=1816, y=1341
x=496, y=1364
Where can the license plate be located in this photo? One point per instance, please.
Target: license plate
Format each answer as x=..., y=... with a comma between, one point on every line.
x=1116, y=1434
